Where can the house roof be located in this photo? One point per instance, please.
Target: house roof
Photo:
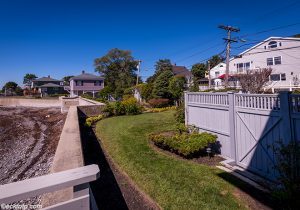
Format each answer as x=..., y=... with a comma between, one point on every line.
x=267, y=40
x=181, y=71
x=46, y=79
x=50, y=85
x=217, y=67
x=86, y=76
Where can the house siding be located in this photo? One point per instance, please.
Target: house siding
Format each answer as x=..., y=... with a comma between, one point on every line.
x=288, y=51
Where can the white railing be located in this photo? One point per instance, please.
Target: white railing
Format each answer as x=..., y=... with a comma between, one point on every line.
x=258, y=101
x=295, y=103
x=78, y=178
x=208, y=98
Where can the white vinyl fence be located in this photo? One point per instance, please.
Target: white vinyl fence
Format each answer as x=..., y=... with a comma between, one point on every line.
x=247, y=125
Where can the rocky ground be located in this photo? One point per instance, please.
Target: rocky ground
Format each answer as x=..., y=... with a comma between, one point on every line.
x=28, y=140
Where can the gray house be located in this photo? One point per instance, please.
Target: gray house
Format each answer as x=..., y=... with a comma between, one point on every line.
x=85, y=83
x=48, y=86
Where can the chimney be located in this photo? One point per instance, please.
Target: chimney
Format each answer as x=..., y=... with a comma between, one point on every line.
x=83, y=71
x=48, y=76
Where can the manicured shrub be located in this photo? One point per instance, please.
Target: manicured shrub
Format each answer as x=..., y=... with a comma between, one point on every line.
x=91, y=120
x=131, y=106
x=119, y=108
x=185, y=144
x=154, y=110
x=109, y=109
x=159, y=102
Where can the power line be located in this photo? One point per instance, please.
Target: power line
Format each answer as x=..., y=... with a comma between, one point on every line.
x=198, y=53
x=272, y=29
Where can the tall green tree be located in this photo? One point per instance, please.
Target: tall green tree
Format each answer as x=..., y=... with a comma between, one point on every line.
x=160, y=66
x=118, y=68
x=10, y=85
x=28, y=78
x=198, y=70
x=215, y=60
x=13, y=88
x=176, y=88
x=161, y=85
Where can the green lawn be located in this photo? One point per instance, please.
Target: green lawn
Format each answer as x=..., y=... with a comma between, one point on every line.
x=173, y=183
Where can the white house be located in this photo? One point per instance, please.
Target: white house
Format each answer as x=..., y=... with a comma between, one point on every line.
x=282, y=54
x=216, y=72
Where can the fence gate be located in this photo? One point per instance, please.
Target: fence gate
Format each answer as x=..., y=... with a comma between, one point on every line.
x=258, y=128
x=248, y=126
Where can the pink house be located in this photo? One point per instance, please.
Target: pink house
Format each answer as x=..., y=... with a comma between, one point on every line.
x=86, y=83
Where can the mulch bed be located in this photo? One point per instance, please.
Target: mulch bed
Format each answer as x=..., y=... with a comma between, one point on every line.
x=205, y=160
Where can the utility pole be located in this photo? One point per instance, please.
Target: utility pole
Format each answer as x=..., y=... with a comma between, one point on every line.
x=138, y=73
x=209, y=78
x=228, y=40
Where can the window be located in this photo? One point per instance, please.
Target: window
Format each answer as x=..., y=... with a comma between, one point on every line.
x=247, y=66
x=243, y=67
x=277, y=60
x=272, y=44
x=283, y=77
x=240, y=67
x=79, y=83
x=269, y=61
x=275, y=77
x=217, y=74
x=97, y=83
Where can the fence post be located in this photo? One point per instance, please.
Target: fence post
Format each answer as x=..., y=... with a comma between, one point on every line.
x=186, y=107
x=285, y=110
x=231, y=105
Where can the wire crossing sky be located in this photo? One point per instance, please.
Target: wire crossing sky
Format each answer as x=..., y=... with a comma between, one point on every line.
x=61, y=38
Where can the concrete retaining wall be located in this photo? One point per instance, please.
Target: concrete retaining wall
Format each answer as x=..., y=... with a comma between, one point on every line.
x=68, y=155
x=27, y=102
x=66, y=102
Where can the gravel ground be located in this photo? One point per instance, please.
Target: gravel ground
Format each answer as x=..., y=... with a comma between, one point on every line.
x=28, y=140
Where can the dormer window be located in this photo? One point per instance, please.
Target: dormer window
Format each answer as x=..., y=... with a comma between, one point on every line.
x=272, y=44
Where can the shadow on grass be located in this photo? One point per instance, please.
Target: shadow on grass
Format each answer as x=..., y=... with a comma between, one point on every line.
x=105, y=190
x=263, y=197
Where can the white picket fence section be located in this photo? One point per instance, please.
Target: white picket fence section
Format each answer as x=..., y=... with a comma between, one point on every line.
x=247, y=125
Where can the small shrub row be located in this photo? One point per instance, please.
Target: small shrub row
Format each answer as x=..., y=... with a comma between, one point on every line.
x=128, y=106
x=163, y=109
x=159, y=102
x=185, y=144
x=91, y=120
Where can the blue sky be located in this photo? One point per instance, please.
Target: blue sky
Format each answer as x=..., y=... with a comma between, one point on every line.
x=60, y=38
